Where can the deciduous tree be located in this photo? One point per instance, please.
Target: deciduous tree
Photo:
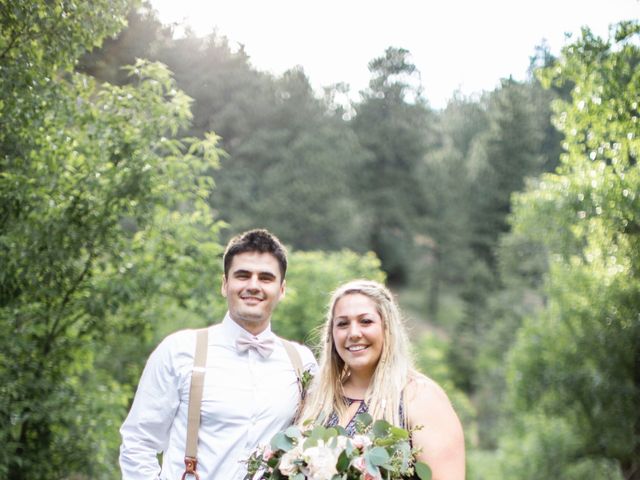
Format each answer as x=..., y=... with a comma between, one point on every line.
x=99, y=210
x=579, y=361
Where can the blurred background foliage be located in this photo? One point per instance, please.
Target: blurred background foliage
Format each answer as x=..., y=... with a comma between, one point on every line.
x=508, y=225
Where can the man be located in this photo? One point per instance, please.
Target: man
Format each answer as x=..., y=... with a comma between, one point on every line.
x=249, y=394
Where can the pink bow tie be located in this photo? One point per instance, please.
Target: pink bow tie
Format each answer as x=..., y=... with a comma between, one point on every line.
x=263, y=346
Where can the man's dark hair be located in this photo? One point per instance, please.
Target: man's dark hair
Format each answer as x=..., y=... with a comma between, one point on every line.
x=257, y=240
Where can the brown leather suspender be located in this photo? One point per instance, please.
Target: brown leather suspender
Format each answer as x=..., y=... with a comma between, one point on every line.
x=195, y=400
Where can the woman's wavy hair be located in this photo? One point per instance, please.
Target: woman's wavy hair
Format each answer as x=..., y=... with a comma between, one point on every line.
x=392, y=372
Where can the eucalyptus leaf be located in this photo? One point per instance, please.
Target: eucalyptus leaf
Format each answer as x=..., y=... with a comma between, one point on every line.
x=381, y=428
x=311, y=442
x=363, y=420
x=423, y=471
x=399, y=433
x=293, y=432
x=281, y=442
x=318, y=432
x=372, y=469
x=377, y=456
x=329, y=433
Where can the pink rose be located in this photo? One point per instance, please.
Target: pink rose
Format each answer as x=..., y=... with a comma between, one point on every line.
x=267, y=454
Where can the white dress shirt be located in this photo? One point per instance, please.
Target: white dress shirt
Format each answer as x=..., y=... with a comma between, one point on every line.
x=246, y=400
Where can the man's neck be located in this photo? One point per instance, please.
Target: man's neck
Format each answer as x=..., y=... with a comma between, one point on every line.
x=253, y=328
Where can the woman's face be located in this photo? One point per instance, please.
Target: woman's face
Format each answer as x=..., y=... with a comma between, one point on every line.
x=358, y=333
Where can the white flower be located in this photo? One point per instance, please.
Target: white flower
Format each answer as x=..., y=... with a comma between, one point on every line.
x=321, y=462
x=361, y=441
x=286, y=465
x=338, y=443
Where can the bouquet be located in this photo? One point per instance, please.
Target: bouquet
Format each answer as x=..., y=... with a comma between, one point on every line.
x=378, y=451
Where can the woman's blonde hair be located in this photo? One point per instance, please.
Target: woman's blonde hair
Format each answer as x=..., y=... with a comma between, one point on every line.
x=391, y=374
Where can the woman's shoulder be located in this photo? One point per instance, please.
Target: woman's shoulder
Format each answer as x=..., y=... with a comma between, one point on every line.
x=421, y=388
x=427, y=402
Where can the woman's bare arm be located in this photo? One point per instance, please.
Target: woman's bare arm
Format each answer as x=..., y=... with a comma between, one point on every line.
x=441, y=439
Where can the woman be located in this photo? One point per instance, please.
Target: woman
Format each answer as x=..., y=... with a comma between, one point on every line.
x=365, y=367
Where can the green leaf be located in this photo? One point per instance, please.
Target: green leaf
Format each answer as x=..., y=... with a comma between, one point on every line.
x=385, y=442
x=377, y=456
x=399, y=433
x=329, y=434
x=341, y=431
x=381, y=428
x=317, y=433
x=371, y=468
x=343, y=461
x=293, y=432
x=363, y=420
x=281, y=442
x=423, y=471
x=311, y=442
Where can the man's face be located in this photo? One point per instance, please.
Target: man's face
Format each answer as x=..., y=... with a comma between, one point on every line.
x=253, y=288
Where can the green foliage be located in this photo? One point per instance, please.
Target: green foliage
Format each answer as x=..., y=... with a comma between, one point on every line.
x=509, y=151
x=100, y=214
x=392, y=125
x=380, y=450
x=430, y=193
x=516, y=144
x=311, y=278
x=32, y=33
x=578, y=361
x=444, y=242
x=279, y=137
x=142, y=36
x=541, y=447
x=299, y=148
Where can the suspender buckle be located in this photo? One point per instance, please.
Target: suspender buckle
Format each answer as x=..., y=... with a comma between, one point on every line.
x=190, y=468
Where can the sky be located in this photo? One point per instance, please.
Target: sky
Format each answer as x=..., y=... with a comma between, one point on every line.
x=463, y=46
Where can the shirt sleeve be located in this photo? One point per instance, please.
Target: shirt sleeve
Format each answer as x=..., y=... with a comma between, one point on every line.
x=145, y=432
x=308, y=360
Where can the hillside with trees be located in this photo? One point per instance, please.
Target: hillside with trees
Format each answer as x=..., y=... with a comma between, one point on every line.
x=507, y=224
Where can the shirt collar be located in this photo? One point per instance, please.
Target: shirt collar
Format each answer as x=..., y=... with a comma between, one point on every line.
x=232, y=330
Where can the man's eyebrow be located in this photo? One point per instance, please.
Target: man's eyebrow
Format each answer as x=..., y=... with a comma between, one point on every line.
x=249, y=272
x=241, y=272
